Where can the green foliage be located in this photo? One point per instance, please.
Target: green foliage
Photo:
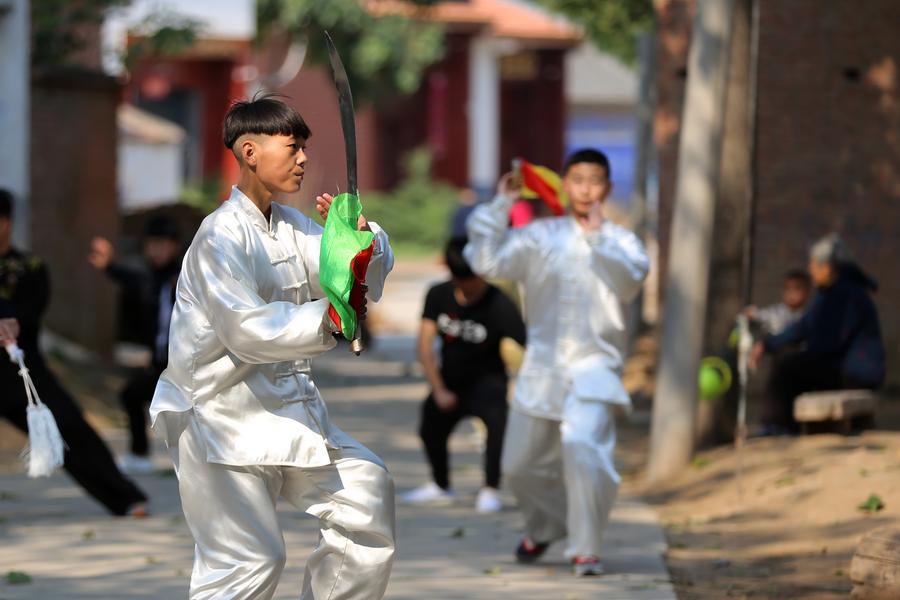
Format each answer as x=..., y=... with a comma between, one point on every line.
x=872, y=504
x=162, y=33
x=700, y=462
x=416, y=213
x=17, y=577
x=612, y=24
x=382, y=54
x=59, y=28
x=204, y=195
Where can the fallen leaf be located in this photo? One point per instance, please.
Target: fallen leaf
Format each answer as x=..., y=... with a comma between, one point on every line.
x=17, y=577
x=700, y=462
x=872, y=504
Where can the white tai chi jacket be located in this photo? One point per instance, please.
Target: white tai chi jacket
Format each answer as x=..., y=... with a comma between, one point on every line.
x=249, y=315
x=576, y=285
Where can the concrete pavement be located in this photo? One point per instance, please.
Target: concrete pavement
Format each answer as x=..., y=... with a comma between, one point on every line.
x=72, y=550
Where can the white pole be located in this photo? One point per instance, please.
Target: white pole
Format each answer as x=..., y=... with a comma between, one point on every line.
x=14, y=112
x=484, y=115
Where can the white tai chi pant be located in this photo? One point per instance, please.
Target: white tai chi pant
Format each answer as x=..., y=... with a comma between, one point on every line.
x=239, y=552
x=562, y=473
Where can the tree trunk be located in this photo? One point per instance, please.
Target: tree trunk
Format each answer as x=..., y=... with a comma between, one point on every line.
x=716, y=417
x=687, y=281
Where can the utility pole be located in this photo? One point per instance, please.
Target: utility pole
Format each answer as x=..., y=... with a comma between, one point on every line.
x=687, y=281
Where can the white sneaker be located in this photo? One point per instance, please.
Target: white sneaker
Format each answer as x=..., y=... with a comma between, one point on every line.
x=133, y=464
x=488, y=501
x=430, y=493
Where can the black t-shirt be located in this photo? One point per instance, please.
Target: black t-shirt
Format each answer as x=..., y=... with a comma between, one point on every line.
x=471, y=335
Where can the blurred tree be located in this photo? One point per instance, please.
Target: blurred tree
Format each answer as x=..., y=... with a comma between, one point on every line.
x=383, y=54
x=161, y=32
x=614, y=25
x=59, y=26
x=60, y=29
x=418, y=209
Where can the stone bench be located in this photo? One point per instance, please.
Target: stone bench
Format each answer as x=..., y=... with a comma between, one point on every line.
x=844, y=407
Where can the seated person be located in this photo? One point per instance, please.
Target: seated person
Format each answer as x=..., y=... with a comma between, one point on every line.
x=775, y=318
x=839, y=333
x=471, y=317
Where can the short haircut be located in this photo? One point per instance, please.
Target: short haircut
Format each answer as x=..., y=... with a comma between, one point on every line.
x=799, y=275
x=264, y=114
x=588, y=155
x=163, y=227
x=6, y=204
x=456, y=262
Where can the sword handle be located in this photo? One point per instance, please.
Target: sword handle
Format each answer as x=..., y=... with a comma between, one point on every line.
x=356, y=345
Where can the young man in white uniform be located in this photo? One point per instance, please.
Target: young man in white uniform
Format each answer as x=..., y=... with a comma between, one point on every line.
x=577, y=272
x=241, y=415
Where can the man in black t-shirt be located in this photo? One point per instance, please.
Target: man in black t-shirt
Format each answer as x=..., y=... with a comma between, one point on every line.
x=471, y=317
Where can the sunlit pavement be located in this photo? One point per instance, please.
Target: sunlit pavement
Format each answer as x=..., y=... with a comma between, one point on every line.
x=71, y=549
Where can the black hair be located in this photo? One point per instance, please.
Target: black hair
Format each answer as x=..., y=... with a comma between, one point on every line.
x=456, y=262
x=264, y=114
x=588, y=155
x=162, y=226
x=6, y=203
x=800, y=275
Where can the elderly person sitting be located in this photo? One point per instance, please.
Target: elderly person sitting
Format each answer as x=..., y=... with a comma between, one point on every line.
x=836, y=344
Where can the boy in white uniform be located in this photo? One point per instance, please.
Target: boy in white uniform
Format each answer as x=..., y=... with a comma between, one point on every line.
x=241, y=415
x=577, y=271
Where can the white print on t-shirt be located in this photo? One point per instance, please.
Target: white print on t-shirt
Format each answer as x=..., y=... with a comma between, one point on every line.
x=467, y=331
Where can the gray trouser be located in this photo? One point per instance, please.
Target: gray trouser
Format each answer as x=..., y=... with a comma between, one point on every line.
x=239, y=552
x=562, y=473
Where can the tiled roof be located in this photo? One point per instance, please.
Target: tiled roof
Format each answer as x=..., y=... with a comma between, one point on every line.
x=513, y=19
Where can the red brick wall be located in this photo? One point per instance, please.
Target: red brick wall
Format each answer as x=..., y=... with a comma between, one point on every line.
x=828, y=138
x=73, y=197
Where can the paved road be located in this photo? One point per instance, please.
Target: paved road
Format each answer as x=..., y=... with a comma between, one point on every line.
x=72, y=550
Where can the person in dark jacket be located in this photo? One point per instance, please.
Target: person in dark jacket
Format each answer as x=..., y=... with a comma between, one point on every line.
x=836, y=344
x=148, y=294
x=24, y=295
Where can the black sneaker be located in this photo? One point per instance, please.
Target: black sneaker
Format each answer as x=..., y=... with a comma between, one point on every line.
x=529, y=551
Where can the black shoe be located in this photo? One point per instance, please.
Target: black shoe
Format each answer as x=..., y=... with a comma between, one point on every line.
x=529, y=551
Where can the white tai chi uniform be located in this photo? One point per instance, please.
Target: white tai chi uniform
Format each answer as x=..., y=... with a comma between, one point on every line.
x=245, y=423
x=560, y=436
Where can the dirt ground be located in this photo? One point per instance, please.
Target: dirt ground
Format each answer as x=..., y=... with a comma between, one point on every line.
x=788, y=527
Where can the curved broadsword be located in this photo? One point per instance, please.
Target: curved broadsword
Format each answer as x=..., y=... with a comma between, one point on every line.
x=348, y=126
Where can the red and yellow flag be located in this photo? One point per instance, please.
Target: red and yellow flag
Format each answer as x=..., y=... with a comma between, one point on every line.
x=541, y=182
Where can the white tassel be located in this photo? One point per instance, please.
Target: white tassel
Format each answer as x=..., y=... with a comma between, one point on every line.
x=44, y=453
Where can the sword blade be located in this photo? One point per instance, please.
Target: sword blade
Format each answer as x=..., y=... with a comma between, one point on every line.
x=345, y=101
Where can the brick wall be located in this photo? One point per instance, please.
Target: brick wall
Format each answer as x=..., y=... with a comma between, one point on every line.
x=828, y=142
x=73, y=197
x=827, y=139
